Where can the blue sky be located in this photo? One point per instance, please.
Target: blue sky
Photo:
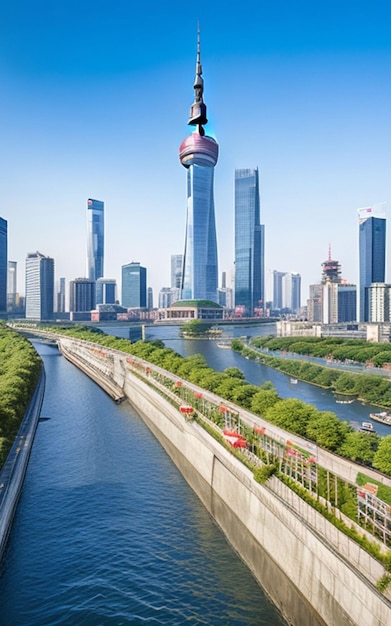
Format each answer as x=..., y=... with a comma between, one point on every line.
x=94, y=103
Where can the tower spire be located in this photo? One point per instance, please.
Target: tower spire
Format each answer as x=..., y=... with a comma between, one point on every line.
x=198, y=108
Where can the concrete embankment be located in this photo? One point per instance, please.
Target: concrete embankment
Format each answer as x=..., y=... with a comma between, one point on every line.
x=14, y=469
x=313, y=572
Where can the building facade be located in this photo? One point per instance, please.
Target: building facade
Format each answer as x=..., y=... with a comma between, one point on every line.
x=347, y=303
x=379, y=300
x=249, y=242
x=167, y=297
x=12, y=285
x=106, y=291
x=95, y=239
x=81, y=295
x=278, y=291
x=314, y=303
x=176, y=271
x=3, y=264
x=198, y=153
x=134, y=286
x=295, y=291
x=39, y=286
x=372, y=255
x=61, y=296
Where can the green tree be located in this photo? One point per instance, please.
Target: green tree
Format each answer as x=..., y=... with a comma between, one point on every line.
x=360, y=446
x=292, y=415
x=263, y=400
x=325, y=428
x=382, y=458
x=234, y=372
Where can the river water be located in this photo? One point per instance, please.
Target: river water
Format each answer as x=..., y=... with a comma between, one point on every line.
x=108, y=533
x=219, y=359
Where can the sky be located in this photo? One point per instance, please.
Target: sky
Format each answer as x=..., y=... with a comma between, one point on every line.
x=94, y=103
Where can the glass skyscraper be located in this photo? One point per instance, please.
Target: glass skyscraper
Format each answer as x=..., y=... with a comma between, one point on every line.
x=3, y=264
x=95, y=238
x=134, y=286
x=106, y=289
x=372, y=254
x=249, y=242
x=198, y=153
x=39, y=286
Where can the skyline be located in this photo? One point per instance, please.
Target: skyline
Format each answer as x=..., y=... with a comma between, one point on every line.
x=95, y=103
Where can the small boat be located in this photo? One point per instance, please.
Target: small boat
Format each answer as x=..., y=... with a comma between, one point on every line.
x=383, y=417
x=344, y=401
x=293, y=381
x=367, y=427
x=225, y=346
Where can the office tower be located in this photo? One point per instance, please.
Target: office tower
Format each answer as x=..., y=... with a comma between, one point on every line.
x=347, y=302
x=249, y=242
x=61, y=296
x=176, y=271
x=198, y=153
x=277, y=289
x=167, y=297
x=339, y=303
x=379, y=298
x=150, y=298
x=106, y=291
x=95, y=239
x=296, y=291
x=314, y=303
x=11, y=285
x=372, y=254
x=134, y=286
x=39, y=286
x=81, y=295
x=3, y=264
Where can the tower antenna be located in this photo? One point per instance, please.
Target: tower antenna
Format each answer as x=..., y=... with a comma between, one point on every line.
x=198, y=108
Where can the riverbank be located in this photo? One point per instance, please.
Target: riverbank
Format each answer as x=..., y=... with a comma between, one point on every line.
x=310, y=551
x=368, y=388
x=14, y=469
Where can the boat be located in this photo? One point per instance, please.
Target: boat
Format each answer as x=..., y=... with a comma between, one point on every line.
x=383, y=417
x=344, y=401
x=225, y=346
x=367, y=427
x=293, y=381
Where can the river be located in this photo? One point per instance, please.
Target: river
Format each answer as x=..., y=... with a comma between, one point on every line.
x=108, y=533
x=255, y=373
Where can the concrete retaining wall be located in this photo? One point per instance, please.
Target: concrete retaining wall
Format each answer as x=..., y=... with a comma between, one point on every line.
x=314, y=573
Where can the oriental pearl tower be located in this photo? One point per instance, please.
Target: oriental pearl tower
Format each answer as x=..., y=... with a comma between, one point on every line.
x=198, y=153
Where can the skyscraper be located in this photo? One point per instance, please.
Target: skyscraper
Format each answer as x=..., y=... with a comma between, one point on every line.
x=278, y=289
x=39, y=286
x=3, y=264
x=81, y=295
x=61, y=296
x=176, y=270
x=106, y=289
x=11, y=285
x=95, y=239
x=296, y=291
x=198, y=153
x=134, y=286
x=372, y=254
x=249, y=242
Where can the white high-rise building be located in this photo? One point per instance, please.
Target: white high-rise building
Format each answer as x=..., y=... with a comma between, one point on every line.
x=39, y=286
